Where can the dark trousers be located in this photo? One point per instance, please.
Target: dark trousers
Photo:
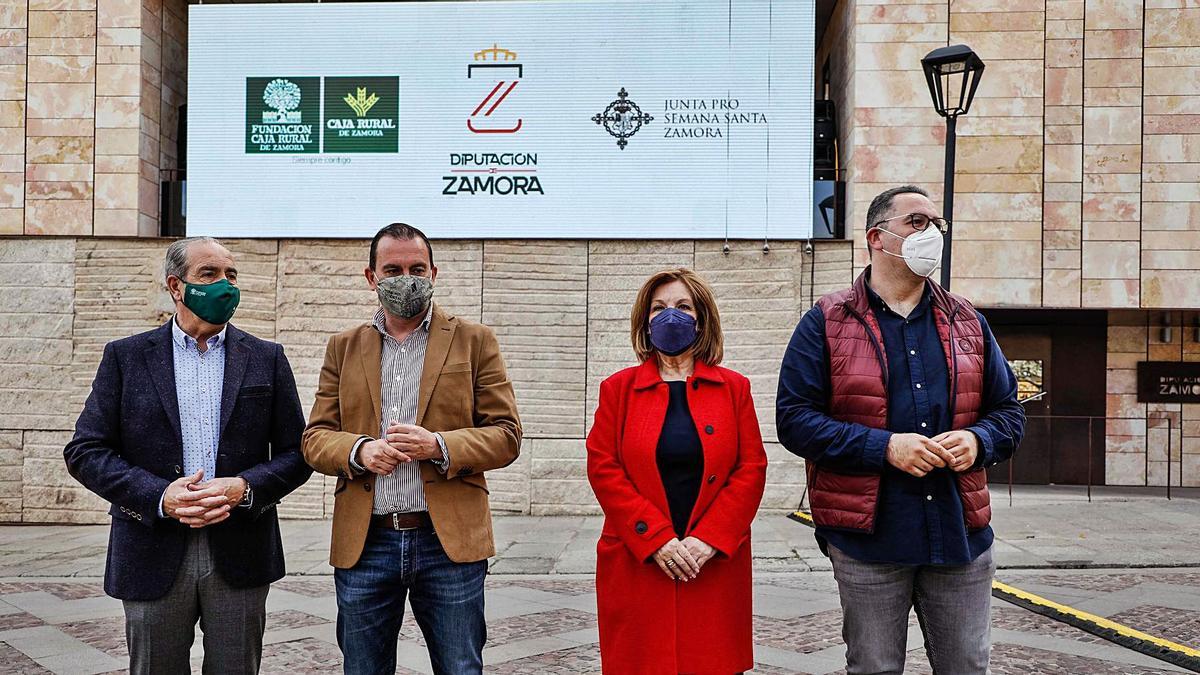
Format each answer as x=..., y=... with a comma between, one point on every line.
x=160, y=632
x=446, y=598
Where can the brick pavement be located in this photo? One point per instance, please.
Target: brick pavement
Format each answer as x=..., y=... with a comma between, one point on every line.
x=547, y=625
x=54, y=616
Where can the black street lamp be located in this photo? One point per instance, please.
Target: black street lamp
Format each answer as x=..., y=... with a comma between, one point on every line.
x=953, y=75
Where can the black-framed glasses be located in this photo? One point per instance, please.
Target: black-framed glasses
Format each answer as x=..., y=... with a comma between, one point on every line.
x=919, y=221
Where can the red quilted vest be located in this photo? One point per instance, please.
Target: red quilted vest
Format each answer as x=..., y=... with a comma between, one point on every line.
x=857, y=370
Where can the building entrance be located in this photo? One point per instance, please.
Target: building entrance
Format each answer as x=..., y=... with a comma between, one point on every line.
x=1058, y=358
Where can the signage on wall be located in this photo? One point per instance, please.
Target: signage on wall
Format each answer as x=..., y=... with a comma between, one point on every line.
x=1168, y=382
x=592, y=119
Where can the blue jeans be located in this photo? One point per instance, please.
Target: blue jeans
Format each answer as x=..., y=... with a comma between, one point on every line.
x=446, y=598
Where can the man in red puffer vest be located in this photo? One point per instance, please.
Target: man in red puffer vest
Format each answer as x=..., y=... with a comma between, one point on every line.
x=898, y=397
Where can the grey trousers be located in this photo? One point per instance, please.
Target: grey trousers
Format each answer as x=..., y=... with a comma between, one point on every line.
x=953, y=605
x=160, y=632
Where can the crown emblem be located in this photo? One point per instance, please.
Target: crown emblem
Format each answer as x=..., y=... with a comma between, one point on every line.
x=495, y=53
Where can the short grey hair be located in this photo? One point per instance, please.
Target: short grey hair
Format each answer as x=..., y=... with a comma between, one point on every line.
x=175, y=264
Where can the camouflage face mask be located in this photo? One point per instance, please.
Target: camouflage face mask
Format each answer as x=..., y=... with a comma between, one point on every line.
x=404, y=296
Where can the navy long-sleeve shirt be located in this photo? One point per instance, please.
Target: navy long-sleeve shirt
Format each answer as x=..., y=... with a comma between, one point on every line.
x=919, y=521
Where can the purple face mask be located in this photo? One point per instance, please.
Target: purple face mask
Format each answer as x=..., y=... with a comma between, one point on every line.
x=672, y=332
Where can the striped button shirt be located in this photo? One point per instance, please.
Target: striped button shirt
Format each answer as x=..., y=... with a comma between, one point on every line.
x=400, y=377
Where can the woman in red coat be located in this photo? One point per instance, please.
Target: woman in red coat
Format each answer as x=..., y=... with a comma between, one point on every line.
x=677, y=463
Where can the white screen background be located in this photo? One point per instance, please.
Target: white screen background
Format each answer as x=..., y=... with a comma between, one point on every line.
x=753, y=182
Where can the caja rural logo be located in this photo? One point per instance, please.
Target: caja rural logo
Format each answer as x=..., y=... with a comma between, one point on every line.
x=282, y=114
x=361, y=115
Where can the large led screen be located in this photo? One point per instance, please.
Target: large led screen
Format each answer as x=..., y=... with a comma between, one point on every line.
x=598, y=119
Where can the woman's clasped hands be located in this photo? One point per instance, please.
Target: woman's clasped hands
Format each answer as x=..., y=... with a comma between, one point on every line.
x=682, y=560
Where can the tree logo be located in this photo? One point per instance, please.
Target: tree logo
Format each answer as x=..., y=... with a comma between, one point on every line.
x=283, y=96
x=283, y=114
x=360, y=102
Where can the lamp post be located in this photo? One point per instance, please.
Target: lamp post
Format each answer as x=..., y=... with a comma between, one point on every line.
x=953, y=75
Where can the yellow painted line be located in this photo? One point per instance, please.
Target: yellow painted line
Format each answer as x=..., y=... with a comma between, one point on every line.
x=800, y=515
x=1099, y=621
x=1120, y=629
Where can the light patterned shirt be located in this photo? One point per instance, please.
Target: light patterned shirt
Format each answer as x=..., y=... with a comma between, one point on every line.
x=400, y=371
x=199, y=384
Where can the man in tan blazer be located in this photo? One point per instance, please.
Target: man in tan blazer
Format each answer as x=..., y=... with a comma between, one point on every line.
x=411, y=410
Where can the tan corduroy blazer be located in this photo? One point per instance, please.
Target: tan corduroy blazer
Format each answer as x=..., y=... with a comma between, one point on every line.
x=465, y=395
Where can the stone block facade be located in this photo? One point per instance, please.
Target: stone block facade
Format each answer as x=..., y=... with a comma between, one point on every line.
x=560, y=311
x=89, y=98
x=1077, y=176
x=1077, y=186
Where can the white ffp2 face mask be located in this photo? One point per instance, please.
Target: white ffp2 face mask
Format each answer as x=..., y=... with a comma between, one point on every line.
x=922, y=251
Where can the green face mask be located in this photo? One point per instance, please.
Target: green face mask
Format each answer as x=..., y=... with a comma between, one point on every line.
x=215, y=302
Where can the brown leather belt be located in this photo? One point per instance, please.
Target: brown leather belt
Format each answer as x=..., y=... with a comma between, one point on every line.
x=402, y=521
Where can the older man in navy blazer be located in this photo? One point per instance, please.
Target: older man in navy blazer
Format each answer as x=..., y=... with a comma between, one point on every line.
x=192, y=432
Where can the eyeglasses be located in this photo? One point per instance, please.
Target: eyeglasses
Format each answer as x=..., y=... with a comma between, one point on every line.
x=919, y=221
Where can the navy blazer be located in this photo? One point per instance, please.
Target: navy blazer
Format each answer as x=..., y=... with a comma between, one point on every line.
x=128, y=447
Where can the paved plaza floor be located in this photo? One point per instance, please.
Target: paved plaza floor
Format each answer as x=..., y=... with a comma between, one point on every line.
x=1129, y=555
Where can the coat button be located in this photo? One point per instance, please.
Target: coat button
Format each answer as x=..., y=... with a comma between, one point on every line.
x=640, y=528
x=178, y=470
x=708, y=430
x=695, y=385
x=367, y=487
x=712, y=479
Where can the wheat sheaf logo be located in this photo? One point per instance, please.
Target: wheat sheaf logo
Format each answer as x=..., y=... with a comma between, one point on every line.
x=361, y=102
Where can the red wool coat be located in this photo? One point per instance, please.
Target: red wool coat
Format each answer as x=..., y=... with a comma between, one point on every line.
x=650, y=624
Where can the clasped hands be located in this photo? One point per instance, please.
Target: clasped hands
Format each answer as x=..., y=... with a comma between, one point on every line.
x=401, y=444
x=682, y=560
x=198, y=503
x=918, y=455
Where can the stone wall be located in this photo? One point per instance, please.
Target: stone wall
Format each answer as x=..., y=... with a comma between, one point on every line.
x=1078, y=165
x=560, y=311
x=89, y=90
x=1140, y=435
x=897, y=137
x=1078, y=185
x=1077, y=177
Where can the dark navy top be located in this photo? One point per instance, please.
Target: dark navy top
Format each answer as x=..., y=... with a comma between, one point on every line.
x=680, y=458
x=919, y=521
